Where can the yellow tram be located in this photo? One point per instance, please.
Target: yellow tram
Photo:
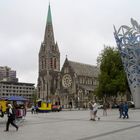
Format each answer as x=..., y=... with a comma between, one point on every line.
x=43, y=106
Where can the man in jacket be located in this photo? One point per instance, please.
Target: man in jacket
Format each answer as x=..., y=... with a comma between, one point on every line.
x=125, y=111
x=11, y=118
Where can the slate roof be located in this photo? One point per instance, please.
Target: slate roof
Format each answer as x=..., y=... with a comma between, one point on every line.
x=84, y=69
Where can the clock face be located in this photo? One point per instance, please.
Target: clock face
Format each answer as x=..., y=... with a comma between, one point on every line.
x=66, y=81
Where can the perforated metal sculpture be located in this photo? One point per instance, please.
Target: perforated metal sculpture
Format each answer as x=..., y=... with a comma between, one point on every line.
x=128, y=42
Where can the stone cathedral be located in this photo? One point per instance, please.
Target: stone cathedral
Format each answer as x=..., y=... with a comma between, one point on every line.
x=74, y=84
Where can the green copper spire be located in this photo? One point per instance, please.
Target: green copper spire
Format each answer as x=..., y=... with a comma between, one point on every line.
x=49, y=18
x=49, y=27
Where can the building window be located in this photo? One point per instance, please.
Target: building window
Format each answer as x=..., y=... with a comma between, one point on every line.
x=51, y=63
x=53, y=48
x=81, y=80
x=90, y=81
x=45, y=63
x=42, y=64
x=66, y=70
x=86, y=81
x=55, y=63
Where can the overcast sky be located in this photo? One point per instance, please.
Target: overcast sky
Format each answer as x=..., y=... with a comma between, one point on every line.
x=81, y=28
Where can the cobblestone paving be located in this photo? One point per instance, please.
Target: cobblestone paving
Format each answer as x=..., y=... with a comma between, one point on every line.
x=74, y=125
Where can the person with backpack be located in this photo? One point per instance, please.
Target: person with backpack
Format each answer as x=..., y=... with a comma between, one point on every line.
x=11, y=118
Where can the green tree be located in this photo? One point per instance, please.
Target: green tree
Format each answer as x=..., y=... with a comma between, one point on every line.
x=112, y=78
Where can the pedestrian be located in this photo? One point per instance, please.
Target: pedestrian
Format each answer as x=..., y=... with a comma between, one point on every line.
x=105, y=109
x=1, y=111
x=11, y=118
x=125, y=111
x=91, y=110
x=36, y=109
x=33, y=109
x=121, y=106
x=95, y=109
x=70, y=105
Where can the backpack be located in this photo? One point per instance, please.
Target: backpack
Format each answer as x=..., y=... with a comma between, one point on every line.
x=13, y=113
x=90, y=106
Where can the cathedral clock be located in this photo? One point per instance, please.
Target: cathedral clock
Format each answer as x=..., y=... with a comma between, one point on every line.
x=66, y=81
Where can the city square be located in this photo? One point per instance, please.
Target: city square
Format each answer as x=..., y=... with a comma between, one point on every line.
x=74, y=125
x=61, y=62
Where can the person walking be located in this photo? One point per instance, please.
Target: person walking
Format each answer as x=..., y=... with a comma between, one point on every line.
x=11, y=118
x=1, y=111
x=125, y=111
x=91, y=110
x=121, y=107
x=95, y=109
x=105, y=109
x=70, y=105
x=33, y=109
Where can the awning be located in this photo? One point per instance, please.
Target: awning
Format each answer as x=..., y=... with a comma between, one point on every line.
x=16, y=98
x=3, y=98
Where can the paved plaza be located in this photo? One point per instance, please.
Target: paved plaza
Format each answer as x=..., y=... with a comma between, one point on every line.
x=74, y=125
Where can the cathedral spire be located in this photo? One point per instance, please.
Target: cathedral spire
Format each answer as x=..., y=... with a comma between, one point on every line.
x=49, y=62
x=49, y=35
x=49, y=17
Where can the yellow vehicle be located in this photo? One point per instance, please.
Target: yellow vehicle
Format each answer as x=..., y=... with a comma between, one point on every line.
x=3, y=106
x=42, y=106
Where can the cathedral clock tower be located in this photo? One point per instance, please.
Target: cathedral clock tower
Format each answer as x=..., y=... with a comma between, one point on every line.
x=49, y=63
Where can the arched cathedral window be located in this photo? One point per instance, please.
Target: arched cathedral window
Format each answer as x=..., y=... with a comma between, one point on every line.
x=51, y=62
x=54, y=63
x=45, y=63
x=66, y=70
x=42, y=64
